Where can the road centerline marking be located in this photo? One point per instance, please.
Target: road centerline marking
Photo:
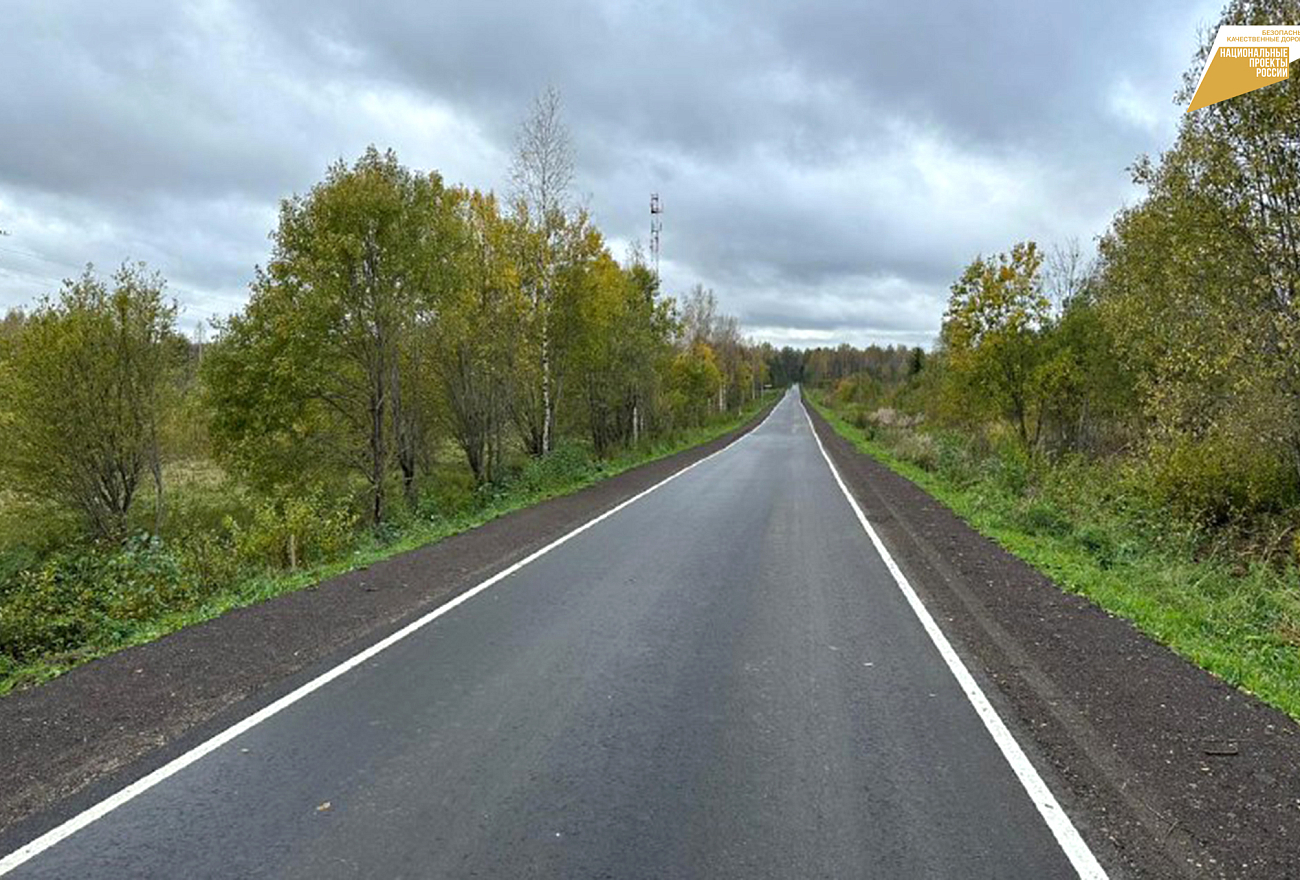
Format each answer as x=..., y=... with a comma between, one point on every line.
x=1058, y=822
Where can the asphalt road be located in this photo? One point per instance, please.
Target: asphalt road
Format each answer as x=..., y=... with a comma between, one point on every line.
x=721, y=679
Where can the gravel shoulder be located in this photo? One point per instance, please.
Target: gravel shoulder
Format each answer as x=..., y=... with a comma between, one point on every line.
x=71, y=741
x=1176, y=772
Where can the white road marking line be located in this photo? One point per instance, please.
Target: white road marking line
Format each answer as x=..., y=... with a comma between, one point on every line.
x=1067, y=836
x=61, y=832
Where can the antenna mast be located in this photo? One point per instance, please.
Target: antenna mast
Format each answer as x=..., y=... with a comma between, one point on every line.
x=656, y=226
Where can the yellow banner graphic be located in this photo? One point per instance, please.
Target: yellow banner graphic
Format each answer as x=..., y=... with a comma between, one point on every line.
x=1245, y=58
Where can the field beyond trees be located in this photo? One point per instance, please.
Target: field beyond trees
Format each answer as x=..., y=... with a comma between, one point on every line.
x=415, y=357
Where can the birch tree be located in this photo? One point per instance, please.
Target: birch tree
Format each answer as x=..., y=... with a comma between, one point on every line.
x=541, y=177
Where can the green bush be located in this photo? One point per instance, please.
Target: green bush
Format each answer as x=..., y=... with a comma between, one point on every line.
x=143, y=580
x=91, y=594
x=566, y=464
x=210, y=559
x=1097, y=542
x=97, y=595
x=295, y=531
x=45, y=609
x=1219, y=480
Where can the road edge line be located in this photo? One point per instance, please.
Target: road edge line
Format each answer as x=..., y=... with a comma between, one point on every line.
x=1058, y=822
x=66, y=829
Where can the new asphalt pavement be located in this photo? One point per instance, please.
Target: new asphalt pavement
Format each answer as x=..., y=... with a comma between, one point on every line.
x=721, y=679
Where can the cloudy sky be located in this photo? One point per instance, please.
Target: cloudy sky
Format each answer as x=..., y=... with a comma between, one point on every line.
x=826, y=166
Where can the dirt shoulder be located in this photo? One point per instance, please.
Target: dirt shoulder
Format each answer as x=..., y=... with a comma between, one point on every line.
x=1169, y=771
x=74, y=739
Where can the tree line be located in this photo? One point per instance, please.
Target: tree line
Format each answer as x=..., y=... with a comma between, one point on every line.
x=1129, y=422
x=1175, y=348
x=397, y=316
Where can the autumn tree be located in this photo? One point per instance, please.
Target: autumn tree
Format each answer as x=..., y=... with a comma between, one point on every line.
x=316, y=373
x=621, y=341
x=1085, y=392
x=85, y=380
x=541, y=176
x=11, y=323
x=703, y=324
x=475, y=334
x=699, y=313
x=646, y=349
x=1198, y=289
x=991, y=334
x=694, y=380
x=786, y=364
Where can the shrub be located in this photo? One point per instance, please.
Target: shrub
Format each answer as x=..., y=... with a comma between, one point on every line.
x=1217, y=480
x=91, y=593
x=142, y=580
x=299, y=530
x=44, y=609
x=210, y=559
x=566, y=464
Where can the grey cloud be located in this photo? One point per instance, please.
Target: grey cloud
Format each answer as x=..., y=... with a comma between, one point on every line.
x=827, y=165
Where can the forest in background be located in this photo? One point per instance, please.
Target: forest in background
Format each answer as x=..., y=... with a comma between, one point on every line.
x=415, y=357
x=1131, y=423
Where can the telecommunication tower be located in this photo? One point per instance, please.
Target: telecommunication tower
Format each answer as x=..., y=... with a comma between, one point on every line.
x=656, y=226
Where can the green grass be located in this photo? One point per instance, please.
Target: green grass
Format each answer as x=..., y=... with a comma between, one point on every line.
x=455, y=508
x=1088, y=526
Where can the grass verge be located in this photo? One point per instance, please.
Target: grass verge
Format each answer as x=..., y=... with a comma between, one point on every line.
x=553, y=479
x=1076, y=523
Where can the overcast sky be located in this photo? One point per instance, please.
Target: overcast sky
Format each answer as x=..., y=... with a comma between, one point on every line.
x=826, y=166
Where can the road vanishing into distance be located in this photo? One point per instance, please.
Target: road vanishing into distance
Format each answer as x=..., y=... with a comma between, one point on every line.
x=720, y=679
